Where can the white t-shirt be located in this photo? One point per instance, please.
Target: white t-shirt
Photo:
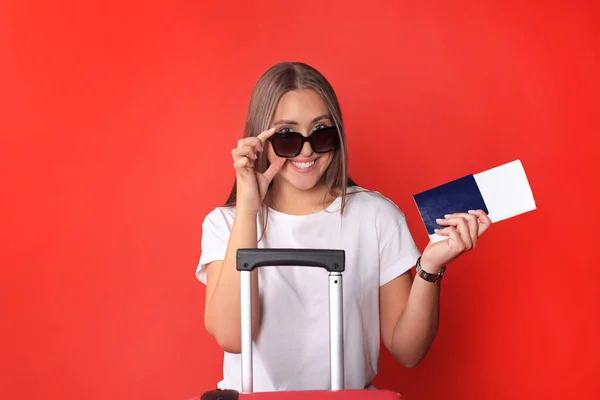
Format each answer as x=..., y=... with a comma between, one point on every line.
x=292, y=350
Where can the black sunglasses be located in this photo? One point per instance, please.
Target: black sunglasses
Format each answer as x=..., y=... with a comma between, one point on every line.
x=289, y=144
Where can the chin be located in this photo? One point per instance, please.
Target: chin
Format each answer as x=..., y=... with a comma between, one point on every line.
x=304, y=185
x=300, y=182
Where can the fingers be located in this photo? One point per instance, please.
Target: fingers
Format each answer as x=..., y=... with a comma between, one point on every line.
x=248, y=147
x=265, y=135
x=473, y=228
x=274, y=168
x=484, y=220
x=243, y=163
x=244, y=151
x=250, y=143
x=455, y=239
x=462, y=226
x=254, y=142
x=478, y=222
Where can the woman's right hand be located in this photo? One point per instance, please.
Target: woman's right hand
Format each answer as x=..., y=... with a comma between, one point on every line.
x=251, y=185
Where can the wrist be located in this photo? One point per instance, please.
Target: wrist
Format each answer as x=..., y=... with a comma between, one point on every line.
x=245, y=212
x=429, y=267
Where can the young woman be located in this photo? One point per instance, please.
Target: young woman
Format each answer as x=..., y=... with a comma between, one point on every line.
x=293, y=193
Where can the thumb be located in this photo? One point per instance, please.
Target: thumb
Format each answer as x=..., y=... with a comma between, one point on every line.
x=274, y=168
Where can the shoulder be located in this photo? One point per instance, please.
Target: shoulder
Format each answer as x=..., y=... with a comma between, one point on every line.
x=373, y=204
x=220, y=218
x=377, y=216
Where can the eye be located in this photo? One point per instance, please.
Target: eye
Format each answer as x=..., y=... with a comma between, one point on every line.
x=319, y=126
x=285, y=130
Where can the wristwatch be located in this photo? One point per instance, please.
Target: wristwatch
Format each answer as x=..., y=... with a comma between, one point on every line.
x=433, y=278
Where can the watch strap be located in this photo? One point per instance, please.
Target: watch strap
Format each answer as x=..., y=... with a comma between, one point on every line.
x=429, y=277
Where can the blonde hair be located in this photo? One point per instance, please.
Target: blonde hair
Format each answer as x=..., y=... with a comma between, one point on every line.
x=271, y=86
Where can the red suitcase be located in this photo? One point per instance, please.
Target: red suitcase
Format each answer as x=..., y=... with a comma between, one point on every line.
x=334, y=262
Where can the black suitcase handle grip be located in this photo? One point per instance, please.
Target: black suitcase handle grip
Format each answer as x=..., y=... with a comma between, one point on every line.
x=331, y=260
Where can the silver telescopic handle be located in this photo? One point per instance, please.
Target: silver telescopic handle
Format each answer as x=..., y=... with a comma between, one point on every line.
x=246, y=330
x=331, y=260
x=336, y=331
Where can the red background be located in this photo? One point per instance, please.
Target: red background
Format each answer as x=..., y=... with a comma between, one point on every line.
x=116, y=129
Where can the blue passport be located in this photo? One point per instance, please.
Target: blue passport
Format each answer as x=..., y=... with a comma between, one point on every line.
x=460, y=195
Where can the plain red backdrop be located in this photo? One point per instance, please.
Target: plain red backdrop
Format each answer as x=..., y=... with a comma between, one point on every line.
x=117, y=121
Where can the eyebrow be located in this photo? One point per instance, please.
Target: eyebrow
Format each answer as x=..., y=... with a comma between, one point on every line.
x=290, y=122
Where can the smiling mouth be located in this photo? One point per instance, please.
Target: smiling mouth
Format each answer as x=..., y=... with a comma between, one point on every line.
x=303, y=165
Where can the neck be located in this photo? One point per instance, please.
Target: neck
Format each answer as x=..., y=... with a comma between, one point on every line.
x=289, y=200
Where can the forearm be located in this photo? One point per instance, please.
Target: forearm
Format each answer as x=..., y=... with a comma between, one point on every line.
x=223, y=311
x=417, y=325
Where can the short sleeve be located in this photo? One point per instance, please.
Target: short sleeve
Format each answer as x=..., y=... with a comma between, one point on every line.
x=398, y=252
x=216, y=229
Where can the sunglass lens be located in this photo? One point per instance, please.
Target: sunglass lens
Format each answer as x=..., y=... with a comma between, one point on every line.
x=325, y=140
x=286, y=144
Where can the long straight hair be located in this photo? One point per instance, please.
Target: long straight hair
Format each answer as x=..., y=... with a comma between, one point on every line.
x=271, y=86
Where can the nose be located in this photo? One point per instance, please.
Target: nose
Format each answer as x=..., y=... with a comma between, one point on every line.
x=306, y=150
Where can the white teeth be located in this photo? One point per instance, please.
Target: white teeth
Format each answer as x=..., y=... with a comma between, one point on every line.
x=302, y=165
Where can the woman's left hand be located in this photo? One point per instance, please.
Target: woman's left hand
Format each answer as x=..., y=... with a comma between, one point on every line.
x=463, y=231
